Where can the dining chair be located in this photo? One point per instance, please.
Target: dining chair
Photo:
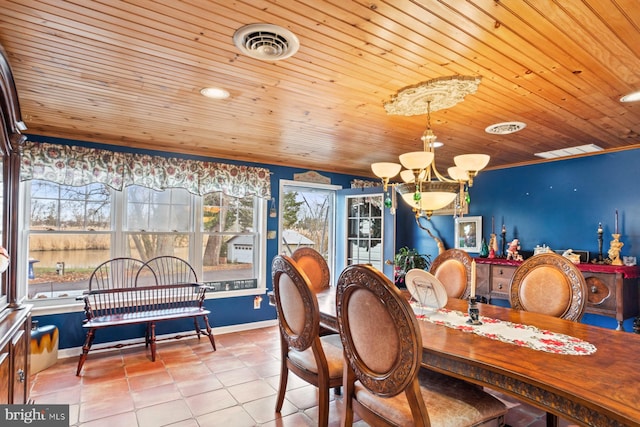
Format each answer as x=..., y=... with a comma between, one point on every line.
x=453, y=268
x=316, y=359
x=549, y=284
x=315, y=267
x=383, y=381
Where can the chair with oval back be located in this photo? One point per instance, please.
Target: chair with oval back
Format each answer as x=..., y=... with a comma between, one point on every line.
x=384, y=383
x=453, y=268
x=549, y=284
x=315, y=267
x=317, y=360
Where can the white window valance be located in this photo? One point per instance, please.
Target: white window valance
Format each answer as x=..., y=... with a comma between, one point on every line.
x=74, y=165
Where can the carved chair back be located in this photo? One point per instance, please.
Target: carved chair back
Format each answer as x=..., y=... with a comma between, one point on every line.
x=549, y=284
x=453, y=269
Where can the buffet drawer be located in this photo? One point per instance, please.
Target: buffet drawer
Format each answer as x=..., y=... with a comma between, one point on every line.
x=601, y=292
x=500, y=280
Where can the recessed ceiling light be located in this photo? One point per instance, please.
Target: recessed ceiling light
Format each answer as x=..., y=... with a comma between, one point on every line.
x=631, y=97
x=436, y=144
x=214, y=92
x=505, y=128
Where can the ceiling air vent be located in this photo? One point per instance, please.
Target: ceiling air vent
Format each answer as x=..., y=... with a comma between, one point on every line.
x=266, y=42
x=505, y=128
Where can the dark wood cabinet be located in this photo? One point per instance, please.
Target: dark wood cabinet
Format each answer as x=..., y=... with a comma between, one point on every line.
x=613, y=290
x=15, y=316
x=15, y=332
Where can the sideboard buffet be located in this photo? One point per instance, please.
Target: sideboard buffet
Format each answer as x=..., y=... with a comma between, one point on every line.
x=613, y=290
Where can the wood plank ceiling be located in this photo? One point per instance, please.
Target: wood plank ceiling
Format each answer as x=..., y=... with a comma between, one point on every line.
x=129, y=73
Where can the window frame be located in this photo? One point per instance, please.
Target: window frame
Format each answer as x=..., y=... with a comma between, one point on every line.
x=119, y=239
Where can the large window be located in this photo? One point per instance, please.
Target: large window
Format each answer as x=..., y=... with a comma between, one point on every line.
x=157, y=222
x=231, y=241
x=71, y=230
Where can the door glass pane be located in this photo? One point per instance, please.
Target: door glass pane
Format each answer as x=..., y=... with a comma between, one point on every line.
x=307, y=218
x=364, y=225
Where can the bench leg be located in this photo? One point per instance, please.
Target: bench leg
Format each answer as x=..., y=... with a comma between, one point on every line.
x=85, y=349
x=197, y=327
x=152, y=339
x=146, y=335
x=209, y=332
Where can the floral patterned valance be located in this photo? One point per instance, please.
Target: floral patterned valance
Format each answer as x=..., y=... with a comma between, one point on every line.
x=73, y=165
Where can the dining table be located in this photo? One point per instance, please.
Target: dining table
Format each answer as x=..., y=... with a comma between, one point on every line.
x=598, y=384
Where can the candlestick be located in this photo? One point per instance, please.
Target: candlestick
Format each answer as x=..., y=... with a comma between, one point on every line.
x=474, y=312
x=473, y=279
x=616, y=221
x=614, y=250
x=600, y=259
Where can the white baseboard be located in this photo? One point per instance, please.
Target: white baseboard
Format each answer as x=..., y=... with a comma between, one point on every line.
x=77, y=351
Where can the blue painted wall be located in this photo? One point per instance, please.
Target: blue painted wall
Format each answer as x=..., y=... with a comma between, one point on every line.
x=226, y=311
x=556, y=203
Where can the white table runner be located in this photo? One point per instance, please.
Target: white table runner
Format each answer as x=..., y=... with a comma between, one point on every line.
x=512, y=333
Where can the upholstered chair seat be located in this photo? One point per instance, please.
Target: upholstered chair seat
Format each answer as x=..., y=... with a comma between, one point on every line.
x=332, y=346
x=450, y=402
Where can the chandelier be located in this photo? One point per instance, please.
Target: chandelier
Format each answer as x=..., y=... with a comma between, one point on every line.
x=424, y=188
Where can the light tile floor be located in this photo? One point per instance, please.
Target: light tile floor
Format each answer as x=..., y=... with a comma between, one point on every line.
x=189, y=385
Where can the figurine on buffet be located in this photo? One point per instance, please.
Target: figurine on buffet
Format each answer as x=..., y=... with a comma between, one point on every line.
x=512, y=251
x=493, y=246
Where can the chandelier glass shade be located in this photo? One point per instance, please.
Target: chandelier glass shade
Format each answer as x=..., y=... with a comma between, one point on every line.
x=423, y=187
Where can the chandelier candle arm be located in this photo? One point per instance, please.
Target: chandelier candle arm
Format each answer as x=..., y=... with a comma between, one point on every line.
x=385, y=171
x=416, y=160
x=472, y=163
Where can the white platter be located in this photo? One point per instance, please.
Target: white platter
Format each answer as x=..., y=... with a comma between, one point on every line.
x=425, y=288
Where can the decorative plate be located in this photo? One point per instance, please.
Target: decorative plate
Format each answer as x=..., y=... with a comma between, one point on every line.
x=425, y=288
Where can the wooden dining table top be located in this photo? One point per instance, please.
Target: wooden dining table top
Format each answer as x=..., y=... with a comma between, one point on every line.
x=600, y=389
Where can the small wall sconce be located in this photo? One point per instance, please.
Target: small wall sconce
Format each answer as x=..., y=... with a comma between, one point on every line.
x=272, y=211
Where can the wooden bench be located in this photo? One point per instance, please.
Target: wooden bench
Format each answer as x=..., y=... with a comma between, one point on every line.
x=127, y=291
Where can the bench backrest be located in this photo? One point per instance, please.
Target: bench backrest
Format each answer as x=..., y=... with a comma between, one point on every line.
x=128, y=285
x=116, y=273
x=166, y=270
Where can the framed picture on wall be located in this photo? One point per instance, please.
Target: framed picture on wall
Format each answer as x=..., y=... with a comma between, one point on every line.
x=468, y=233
